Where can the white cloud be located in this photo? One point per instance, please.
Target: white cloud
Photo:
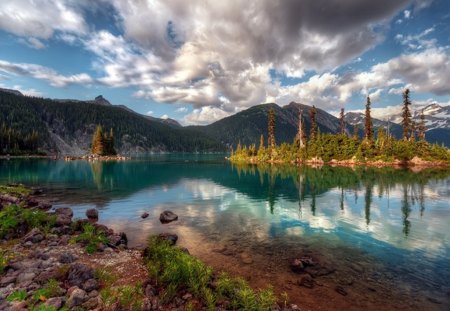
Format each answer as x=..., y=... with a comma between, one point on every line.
x=407, y=14
x=164, y=117
x=181, y=110
x=40, y=19
x=205, y=115
x=44, y=73
x=149, y=113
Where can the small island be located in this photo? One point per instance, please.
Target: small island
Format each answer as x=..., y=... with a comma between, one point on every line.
x=102, y=148
x=382, y=149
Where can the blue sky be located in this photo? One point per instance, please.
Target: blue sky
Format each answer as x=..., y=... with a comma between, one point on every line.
x=198, y=61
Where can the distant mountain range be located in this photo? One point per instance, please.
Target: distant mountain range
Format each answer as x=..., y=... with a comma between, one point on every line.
x=66, y=126
x=437, y=123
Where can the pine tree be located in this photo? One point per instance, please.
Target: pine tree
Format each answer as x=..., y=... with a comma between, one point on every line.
x=98, y=147
x=356, y=131
x=342, y=121
x=261, y=145
x=313, y=116
x=300, y=130
x=368, y=127
x=412, y=137
x=422, y=126
x=406, y=115
x=271, y=132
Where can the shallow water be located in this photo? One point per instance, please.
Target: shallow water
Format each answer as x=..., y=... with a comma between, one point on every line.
x=384, y=232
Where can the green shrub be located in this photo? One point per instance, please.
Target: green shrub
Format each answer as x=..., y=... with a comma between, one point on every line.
x=19, y=295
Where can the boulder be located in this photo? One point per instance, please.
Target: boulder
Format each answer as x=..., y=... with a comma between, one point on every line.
x=76, y=298
x=90, y=285
x=145, y=215
x=66, y=211
x=297, y=266
x=34, y=236
x=167, y=216
x=92, y=214
x=63, y=220
x=78, y=274
x=55, y=302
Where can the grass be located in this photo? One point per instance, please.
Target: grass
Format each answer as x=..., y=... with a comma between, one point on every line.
x=49, y=290
x=90, y=238
x=19, y=295
x=16, y=190
x=178, y=271
x=16, y=220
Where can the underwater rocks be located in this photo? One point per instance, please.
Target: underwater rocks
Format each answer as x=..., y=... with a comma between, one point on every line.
x=145, y=215
x=167, y=216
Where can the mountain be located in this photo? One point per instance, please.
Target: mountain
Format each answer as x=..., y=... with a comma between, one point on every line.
x=437, y=123
x=67, y=126
x=15, y=92
x=168, y=121
x=247, y=126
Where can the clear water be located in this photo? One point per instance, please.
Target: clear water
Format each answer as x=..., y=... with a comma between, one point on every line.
x=394, y=223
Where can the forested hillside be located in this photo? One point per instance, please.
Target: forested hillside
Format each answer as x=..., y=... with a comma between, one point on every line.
x=67, y=128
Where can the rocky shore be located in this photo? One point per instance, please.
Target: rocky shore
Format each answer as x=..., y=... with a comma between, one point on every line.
x=50, y=261
x=94, y=157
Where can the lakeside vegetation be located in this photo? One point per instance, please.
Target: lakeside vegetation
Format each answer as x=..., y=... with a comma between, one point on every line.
x=377, y=146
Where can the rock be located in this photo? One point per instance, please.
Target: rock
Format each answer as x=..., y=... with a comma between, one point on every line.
x=306, y=281
x=32, y=202
x=167, y=216
x=66, y=211
x=292, y=307
x=92, y=214
x=340, y=290
x=297, y=266
x=25, y=277
x=93, y=293
x=78, y=274
x=102, y=228
x=145, y=215
x=90, y=285
x=56, y=302
x=66, y=258
x=172, y=238
x=185, y=250
x=91, y=303
x=246, y=258
x=19, y=306
x=34, y=236
x=187, y=296
x=9, y=199
x=63, y=220
x=307, y=261
x=7, y=280
x=320, y=271
x=117, y=239
x=77, y=298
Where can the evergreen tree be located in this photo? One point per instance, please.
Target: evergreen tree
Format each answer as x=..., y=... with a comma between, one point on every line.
x=342, y=121
x=422, y=126
x=368, y=127
x=356, y=131
x=261, y=145
x=406, y=115
x=313, y=117
x=98, y=147
x=413, y=131
x=300, y=134
x=271, y=132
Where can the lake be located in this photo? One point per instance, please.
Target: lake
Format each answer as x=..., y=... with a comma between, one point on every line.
x=381, y=235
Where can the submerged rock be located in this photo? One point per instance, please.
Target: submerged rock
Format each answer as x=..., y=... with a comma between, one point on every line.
x=172, y=238
x=167, y=216
x=297, y=266
x=145, y=215
x=340, y=290
x=306, y=281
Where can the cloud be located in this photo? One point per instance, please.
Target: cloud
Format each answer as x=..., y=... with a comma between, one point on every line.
x=149, y=113
x=40, y=19
x=417, y=42
x=205, y=115
x=181, y=110
x=407, y=14
x=44, y=73
x=164, y=117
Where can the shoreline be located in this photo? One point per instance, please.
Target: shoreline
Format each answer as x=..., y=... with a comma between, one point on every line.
x=80, y=263
x=411, y=164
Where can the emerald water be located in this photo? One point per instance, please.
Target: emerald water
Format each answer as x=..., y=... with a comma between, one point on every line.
x=384, y=231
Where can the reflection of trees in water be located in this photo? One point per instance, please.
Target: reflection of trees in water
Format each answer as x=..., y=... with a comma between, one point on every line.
x=310, y=183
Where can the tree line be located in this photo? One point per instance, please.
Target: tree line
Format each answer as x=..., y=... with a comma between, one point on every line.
x=376, y=144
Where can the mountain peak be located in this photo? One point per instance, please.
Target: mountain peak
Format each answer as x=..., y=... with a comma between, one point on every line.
x=11, y=91
x=100, y=100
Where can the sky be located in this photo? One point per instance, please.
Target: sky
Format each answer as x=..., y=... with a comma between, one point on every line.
x=198, y=61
